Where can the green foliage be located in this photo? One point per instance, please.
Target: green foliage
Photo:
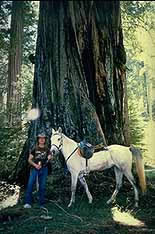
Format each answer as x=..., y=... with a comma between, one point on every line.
x=27, y=83
x=137, y=99
x=136, y=124
x=5, y=10
x=134, y=15
x=11, y=144
x=136, y=87
x=12, y=140
x=30, y=30
x=29, y=39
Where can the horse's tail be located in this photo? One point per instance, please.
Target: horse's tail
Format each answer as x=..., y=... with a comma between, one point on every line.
x=139, y=167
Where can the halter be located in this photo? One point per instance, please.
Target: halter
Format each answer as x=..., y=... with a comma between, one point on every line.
x=61, y=142
x=60, y=147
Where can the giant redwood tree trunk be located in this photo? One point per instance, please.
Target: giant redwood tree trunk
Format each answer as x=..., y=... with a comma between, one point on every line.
x=79, y=73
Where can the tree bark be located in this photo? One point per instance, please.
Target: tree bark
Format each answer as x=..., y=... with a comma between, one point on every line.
x=79, y=73
x=14, y=64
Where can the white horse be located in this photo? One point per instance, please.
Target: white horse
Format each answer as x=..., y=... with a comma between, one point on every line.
x=117, y=156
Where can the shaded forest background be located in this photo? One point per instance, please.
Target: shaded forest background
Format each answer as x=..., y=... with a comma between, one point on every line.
x=18, y=37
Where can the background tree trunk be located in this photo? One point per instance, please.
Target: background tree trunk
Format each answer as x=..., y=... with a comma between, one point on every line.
x=14, y=65
x=3, y=55
x=79, y=73
x=127, y=136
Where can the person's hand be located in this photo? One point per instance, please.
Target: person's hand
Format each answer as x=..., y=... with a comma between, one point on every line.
x=49, y=157
x=38, y=166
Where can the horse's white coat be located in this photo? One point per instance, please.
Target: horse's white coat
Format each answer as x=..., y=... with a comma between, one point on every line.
x=118, y=156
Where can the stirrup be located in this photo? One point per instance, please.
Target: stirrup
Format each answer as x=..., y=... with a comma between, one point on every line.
x=86, y=172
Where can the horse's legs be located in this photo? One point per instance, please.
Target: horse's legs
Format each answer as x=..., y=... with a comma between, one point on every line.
x=74, y=178
x=84, y=183
x=118, y=176
x=131, y=179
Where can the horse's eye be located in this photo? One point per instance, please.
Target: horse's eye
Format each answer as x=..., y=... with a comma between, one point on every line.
x=59, y=139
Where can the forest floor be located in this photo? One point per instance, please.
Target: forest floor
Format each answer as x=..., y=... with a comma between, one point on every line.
x=82, y=218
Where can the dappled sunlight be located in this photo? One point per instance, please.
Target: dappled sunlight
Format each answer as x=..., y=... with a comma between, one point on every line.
x=125, y=218
x=10, y=200
x=149, y=142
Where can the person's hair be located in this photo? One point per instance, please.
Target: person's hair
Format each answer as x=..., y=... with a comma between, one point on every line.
x=37, y=146
x=45, y=145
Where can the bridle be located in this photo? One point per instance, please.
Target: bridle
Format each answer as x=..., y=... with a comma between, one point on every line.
x=61, y=142
x=61, y=145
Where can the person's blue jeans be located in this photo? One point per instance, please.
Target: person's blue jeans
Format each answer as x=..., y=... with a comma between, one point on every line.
x=42, y=175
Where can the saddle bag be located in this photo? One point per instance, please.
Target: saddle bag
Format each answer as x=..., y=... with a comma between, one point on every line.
x=86, y=149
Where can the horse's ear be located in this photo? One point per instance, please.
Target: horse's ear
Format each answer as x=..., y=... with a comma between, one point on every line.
x=60, y=130
x=53, y=131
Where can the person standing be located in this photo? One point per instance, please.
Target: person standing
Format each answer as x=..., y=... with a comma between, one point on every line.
x=38, y=160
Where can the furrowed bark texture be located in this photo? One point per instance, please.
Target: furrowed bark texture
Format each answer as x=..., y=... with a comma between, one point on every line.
x=79, y=72
x=14, y=65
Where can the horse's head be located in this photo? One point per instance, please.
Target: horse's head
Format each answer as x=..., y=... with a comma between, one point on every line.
x=56, y=140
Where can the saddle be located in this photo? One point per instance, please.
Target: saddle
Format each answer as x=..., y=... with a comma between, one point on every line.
x=100, y=147
x=86, y=150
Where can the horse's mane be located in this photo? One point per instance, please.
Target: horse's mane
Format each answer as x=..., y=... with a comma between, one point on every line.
x=68, y=139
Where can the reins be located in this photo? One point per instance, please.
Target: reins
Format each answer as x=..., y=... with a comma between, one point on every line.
x=71, y=154
x=60, y=146
x=56, y=147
